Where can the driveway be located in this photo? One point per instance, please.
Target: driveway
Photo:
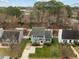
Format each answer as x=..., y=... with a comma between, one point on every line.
x=28, y=49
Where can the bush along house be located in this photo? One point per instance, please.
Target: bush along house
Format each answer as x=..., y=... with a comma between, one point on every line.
x=68, y=36
x=40, y=35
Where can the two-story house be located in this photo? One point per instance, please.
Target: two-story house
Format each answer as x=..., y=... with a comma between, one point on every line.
x=40, y=35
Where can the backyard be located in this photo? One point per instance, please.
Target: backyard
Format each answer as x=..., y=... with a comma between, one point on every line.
x=56, y=50
x=14, y=53
x=7, y=52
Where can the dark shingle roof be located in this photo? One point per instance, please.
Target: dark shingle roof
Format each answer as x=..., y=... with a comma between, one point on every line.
x=11, y=35
x=38, y=31
x=70, y=34
x=47, y=34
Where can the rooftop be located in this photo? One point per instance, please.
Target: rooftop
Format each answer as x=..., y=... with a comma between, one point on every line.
x=11, y=35
x=5, y=57
x=70, y=34
x=38, y=31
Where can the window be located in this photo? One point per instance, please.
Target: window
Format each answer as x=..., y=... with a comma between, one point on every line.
x=47, y=39
x=40, y=39
x=75, y=41
x=65, y=41
x=40, y=36
x=70, y=41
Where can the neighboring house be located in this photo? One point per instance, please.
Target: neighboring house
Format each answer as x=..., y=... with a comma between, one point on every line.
x=10, y=36
x=75, y=11
x=26, y=11
x=5, y=57
x=68, y=36
x=40, y=35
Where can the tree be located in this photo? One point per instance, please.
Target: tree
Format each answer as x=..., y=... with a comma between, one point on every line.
x=1, y=11
x=52, y=8
x=55, y=9
x=77, y=16
x=39, y=9
x=69, y=11
x=13, y=11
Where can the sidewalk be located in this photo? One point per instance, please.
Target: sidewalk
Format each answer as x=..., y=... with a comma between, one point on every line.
x=25, y=54
x=75, y=52
x=28, y=49
x=4, y=46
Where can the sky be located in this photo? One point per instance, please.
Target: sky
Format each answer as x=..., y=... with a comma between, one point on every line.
x=25, y=3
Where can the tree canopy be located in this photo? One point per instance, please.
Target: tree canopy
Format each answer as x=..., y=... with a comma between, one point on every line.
x=77, y=16
x=13, y=11
x=69, y=10
x=52, y=7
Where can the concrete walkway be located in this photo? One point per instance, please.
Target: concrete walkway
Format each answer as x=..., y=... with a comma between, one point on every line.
x=75, y=52
x=28, y=49
x=4, y=46
x=25, y=53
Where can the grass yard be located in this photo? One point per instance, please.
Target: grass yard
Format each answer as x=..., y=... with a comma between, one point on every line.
x=9, y=52
x=56, y=50
x=47, y=51
x=66, y=51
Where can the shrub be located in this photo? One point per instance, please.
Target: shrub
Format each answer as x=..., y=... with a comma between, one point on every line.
x=47, y=44
x=35, y=44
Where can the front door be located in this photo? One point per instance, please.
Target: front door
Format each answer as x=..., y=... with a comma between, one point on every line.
x=41, y=42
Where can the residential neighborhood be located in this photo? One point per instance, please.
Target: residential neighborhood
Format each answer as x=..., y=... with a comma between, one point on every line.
x=39, y=29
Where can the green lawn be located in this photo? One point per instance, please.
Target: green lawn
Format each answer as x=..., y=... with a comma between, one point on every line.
x=47, y=51
x=56, y=50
